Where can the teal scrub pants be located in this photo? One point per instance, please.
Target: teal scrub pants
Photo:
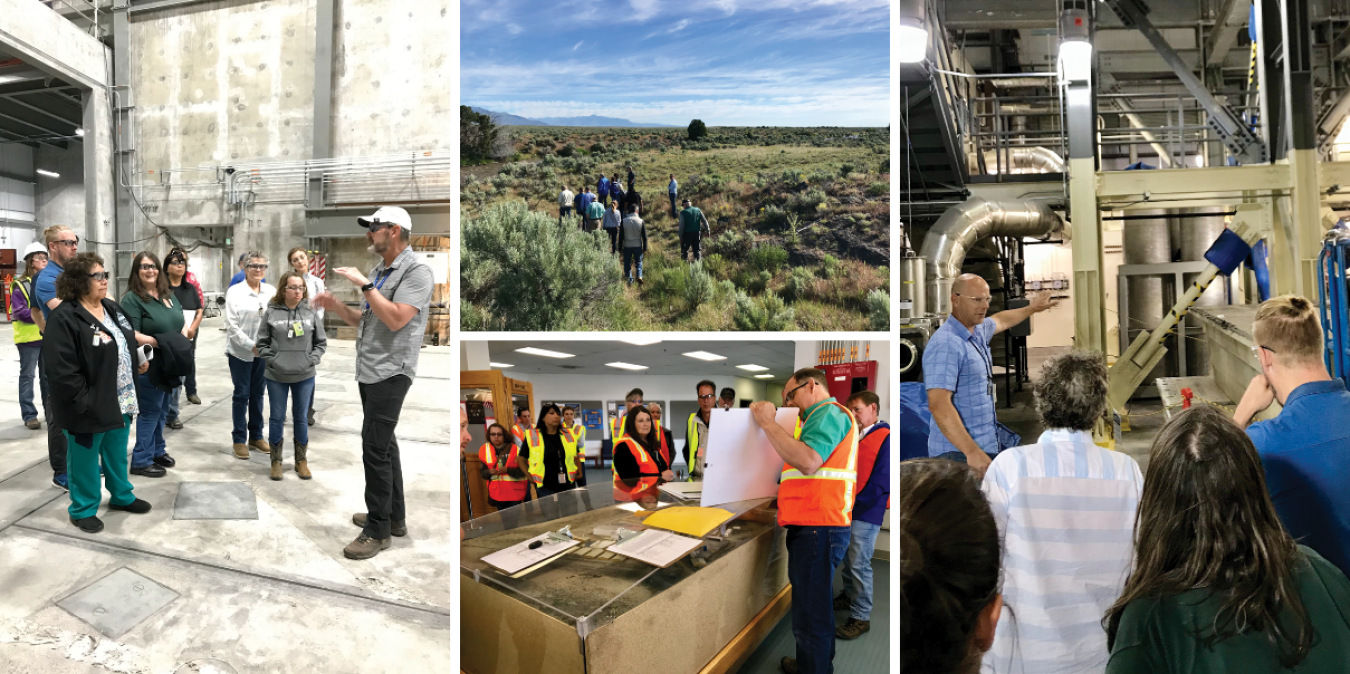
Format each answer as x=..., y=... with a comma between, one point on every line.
x=82, y=464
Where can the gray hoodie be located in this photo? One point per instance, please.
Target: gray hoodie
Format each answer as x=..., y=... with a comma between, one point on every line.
x=290, y=358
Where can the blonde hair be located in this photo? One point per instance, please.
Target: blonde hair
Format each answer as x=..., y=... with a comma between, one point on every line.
x=1288, y=326
x=53, y=233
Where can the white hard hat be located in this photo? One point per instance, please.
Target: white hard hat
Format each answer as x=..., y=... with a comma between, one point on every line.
x=34, y=247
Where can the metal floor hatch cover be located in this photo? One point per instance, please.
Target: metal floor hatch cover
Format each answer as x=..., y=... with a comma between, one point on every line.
x=118, y=602
x=215, y=501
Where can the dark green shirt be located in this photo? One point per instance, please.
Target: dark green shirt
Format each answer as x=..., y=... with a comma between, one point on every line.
x=153, y=318
x=1158, y=636
x=691, y=220
x=824, y=429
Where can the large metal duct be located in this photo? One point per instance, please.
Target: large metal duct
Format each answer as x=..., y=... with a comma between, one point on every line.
x=962, y=225
x=1147, y=241
x=913, y=294
x=1024, y=160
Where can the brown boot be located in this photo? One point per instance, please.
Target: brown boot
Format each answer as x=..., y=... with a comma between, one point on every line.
x=260, y=445
x=241, y=450
x=301, y=465
x=276, y=461
x=365, y=547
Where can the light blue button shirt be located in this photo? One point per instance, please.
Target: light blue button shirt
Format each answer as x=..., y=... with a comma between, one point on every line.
x=957, y=359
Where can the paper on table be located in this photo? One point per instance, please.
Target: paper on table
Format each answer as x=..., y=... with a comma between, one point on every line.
x=637, y=507
x=658, y=548
x=682, y=490
x=742, y=465
x=688, y=519
x=520, y=556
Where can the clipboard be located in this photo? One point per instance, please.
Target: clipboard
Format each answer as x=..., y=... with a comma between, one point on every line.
x=519, y=559
x=656, y=547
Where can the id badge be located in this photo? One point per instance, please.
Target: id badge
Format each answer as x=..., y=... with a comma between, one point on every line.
x=562, y=479
x=297, y=329
x=993, y=391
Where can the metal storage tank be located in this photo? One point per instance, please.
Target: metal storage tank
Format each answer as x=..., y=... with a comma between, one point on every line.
x=1197, y=234
x=913, y=294
x=1148, y=240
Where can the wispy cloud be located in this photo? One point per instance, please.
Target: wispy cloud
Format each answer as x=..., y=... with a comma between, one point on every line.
x=514, y=29
x=728, y=62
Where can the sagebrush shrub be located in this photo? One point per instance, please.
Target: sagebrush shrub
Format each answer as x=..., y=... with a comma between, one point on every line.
x=530, y=273
x=879, y=310
x=768, y=315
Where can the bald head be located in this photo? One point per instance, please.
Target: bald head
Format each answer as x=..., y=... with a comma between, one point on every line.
x=970, y=300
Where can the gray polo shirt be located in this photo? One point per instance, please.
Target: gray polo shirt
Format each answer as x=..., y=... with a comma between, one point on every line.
x=382, y=353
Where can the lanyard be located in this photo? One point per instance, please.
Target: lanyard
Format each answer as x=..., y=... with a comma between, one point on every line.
x=379, y=284
x=989, y=370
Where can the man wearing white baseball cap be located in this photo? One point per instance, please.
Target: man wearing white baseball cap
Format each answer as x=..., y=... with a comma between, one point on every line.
x=390, y=325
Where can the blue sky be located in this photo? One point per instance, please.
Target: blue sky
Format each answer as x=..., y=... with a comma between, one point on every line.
x=727, y=62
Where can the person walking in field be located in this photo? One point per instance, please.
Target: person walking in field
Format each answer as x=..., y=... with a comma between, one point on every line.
x=602, y=190
x=577, y=207
x=612, y=222
x=634, y=244
x=631, y=177
x=594, y=214
x=693, y=227
x=673, y=189
x=634, y=199
x=616, y=193
x=565, y=198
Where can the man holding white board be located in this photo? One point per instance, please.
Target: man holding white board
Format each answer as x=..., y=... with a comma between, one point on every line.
x=815, y=505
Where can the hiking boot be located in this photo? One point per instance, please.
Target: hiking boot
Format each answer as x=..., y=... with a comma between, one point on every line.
x=192, y=398
x=276, y=461
x=89, y=525
x=240, y=450
x=301, y=464
x=852, y=629
x=365, y=547
x=842, y=602
x=260, y=445
x=789, y=665
x=396, y=527
x=174, y=423
x=33, y=424
x=137, y=507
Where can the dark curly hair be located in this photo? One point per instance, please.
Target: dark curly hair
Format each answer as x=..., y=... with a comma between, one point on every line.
x=73, y=283
x=949, y=564
x=1071, y=390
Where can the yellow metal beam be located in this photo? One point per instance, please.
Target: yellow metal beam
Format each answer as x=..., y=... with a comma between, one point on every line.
x=1126, y=186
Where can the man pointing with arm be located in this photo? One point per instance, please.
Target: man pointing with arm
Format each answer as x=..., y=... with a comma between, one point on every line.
x=958, y=371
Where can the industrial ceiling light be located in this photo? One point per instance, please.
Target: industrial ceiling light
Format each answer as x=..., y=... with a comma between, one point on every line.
x=500, y=365
x=49, y=174
x=79, y=132
x=1075, y=50
x=763, y=376
x=626, y=366
x=753, y=368
x=530, y=350
x=642, y=341
x=912, y=33
x=704, y=355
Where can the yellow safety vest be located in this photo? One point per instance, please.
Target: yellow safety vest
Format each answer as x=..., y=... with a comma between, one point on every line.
x=616, y=427
x=825, y=497
x=26, y=332
x=572, y=459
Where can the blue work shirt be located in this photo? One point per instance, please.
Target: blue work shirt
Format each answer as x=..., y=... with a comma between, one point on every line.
x=237, y=278
x=1306, y=455
x=602, y=187
x=584, y=200
x=45, y=285
x=958, y=360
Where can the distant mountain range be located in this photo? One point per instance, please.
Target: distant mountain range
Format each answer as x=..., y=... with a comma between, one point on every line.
x=507, y=119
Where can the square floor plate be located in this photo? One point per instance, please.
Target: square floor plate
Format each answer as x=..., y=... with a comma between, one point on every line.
x=118, y=602
x=215, y=501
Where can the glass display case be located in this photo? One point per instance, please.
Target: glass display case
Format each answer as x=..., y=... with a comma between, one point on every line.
x=597, y=612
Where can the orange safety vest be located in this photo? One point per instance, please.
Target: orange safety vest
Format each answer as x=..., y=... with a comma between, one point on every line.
x=648, y=471
x=867, y=457
x=503, y=487
x=518, y=433
x=825, y=497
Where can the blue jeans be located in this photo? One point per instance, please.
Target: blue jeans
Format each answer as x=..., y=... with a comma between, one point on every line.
x=173, y=400
x=958, y=456
x=813, y=555
x=154, y=405
x=30, y=353
x=858, y=569
x=248, y=398
x=301, y=392
x=630, y=255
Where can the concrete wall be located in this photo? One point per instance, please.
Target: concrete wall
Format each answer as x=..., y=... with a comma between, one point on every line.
x=61, y=201
x=17, y=196
x=231, y=83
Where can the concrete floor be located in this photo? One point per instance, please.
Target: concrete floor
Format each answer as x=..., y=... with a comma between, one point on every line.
x=1146, y=418
x=271, y=594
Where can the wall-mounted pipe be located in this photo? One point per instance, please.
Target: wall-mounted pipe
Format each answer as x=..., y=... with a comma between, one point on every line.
x=958, y=229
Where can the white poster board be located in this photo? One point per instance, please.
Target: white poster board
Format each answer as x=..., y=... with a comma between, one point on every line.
x=742, y=465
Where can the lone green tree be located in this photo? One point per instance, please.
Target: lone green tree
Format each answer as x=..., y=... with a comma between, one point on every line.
x=477, y=134
x=697, y=129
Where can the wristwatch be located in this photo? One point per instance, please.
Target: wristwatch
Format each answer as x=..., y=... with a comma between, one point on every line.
x=367, y=286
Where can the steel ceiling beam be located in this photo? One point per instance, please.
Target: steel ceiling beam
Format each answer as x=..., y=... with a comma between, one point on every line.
x=1231, y=19
x=60, y=118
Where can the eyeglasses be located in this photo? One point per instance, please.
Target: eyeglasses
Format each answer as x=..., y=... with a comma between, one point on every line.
x=1256, y=350
x=377, y=225
x=258, y=266
x=68, y=242
x=788, y=399
x=496, y=434
x=175, y=261
x=299, y=290
x=148, y=267
x=978, y=300
x=100, y=275
x=707, y=396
